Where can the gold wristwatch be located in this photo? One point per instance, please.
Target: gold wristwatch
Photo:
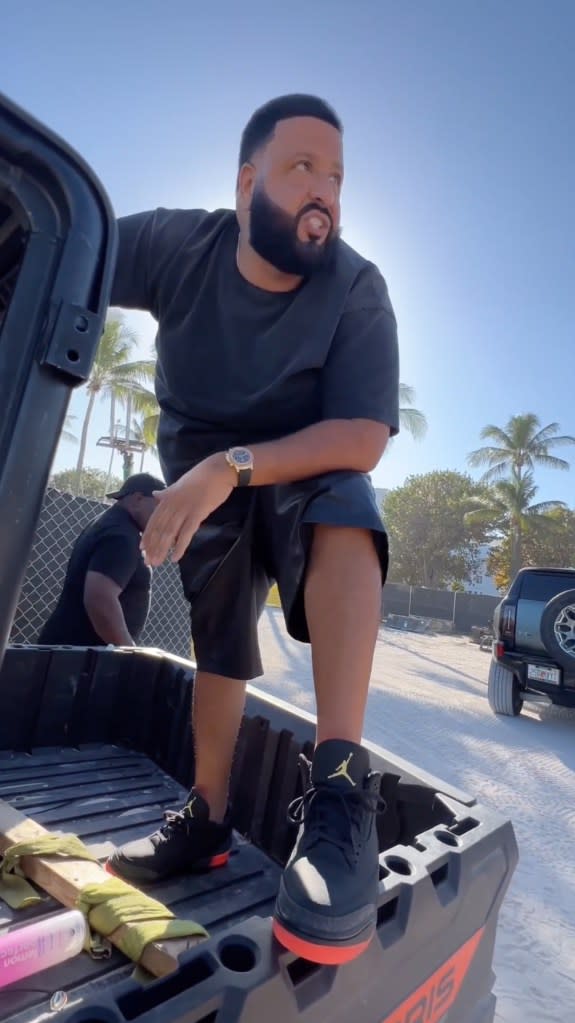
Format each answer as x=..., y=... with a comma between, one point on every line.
x=242, y=460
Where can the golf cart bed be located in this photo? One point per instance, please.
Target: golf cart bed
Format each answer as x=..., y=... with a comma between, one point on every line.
x=121, y=753
x=105, y=795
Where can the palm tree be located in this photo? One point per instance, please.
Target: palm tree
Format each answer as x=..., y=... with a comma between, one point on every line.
x=113, y=375
x=520, y=446
x=507, y=511
x=411, y=419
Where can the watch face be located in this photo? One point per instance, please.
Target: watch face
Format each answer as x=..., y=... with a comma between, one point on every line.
x=242, y=457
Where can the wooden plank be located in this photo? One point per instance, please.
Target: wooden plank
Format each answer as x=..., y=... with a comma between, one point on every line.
x=65, y=879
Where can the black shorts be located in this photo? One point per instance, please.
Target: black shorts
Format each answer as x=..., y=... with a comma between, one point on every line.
x=258, y=536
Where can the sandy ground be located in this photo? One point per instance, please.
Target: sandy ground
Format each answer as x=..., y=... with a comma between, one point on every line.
x=428, y=703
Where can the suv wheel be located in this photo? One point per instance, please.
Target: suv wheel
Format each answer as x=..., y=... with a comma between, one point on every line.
x=558, y=629
x=503, y=691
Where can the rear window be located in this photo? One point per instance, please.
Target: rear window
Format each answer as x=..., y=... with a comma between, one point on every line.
x=545, y=587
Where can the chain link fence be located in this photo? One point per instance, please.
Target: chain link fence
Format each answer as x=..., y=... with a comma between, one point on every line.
x=462, y=610
x=64, y=516
x=62, y=519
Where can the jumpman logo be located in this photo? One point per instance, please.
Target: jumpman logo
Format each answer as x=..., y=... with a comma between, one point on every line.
x=190, y=806
x=342, y=771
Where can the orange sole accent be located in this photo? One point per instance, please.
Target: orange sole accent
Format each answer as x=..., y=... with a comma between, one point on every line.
x=220, y=860
x=325, y=955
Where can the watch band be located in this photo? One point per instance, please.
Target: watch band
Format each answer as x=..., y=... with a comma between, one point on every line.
x=244, y=476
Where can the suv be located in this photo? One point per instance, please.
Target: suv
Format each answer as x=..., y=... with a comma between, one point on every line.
x=534, y=645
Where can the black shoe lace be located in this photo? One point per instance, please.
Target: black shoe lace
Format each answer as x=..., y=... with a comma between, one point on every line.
x=342, y=828
x=173, y=820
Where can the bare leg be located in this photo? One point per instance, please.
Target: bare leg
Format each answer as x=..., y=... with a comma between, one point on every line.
x=217, y=716
x=343, y=609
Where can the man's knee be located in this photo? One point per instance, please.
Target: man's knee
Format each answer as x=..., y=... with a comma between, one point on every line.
x=343, y=541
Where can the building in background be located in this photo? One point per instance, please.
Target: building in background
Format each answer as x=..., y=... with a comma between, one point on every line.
x=483, y=582
x=380, y=494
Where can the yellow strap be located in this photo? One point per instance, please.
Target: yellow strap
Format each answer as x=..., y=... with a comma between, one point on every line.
x=14, y=889
x=115, y=903
x=17, y=893
x=108, y=906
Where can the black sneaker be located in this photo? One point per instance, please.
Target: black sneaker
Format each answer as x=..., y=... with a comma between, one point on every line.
x=188, y=841
x=326, y=907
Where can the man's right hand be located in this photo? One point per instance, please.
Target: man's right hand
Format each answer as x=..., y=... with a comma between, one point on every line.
x=184, y=506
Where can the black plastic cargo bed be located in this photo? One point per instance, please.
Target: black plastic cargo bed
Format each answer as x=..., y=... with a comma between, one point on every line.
x=124, y=754
x=107, y=794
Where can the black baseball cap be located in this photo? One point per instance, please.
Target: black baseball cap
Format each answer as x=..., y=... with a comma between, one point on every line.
x=140, y=483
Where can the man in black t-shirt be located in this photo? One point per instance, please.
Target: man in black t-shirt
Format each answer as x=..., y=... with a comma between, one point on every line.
x=105, y=598
x=277, y=379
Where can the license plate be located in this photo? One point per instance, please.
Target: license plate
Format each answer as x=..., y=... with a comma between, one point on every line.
x=552, y=675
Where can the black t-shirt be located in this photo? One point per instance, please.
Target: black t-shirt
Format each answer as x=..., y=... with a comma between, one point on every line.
x=110, y=545
x=238, y=365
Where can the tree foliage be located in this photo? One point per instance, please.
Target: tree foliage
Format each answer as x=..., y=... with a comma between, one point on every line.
x=549, y=541
x=516, y=523
x=93, y=483
x=507, y=511
x=431, y=542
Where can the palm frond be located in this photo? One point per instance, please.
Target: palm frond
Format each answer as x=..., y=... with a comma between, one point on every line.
x=146, y=429
x=551, y=462
x=142, y=371
x=406, y=394
x=487, y=456
x=411, y=419
x=565, y=440
x=495, y=433
x=414, y=421
x=546, y=434
x=144, y=401
x=544, y=507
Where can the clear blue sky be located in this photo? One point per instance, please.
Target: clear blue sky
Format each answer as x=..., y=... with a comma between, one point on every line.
x=460, y=167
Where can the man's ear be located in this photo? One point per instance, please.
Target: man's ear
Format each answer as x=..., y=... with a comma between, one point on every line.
x=245, y=185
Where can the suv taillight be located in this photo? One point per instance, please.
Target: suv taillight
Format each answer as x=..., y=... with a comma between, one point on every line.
x=507, y=623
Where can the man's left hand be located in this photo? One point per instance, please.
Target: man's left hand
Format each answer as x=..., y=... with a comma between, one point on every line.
x=183, y=507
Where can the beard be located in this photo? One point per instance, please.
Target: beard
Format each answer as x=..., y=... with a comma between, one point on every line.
x=273, y=235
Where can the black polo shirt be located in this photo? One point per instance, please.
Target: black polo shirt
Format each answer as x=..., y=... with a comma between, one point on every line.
x=237, y=364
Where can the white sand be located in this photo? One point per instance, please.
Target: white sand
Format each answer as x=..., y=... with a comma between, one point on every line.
x=428, y=703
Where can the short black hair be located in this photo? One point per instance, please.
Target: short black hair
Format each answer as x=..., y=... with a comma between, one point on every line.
x=262, y=123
